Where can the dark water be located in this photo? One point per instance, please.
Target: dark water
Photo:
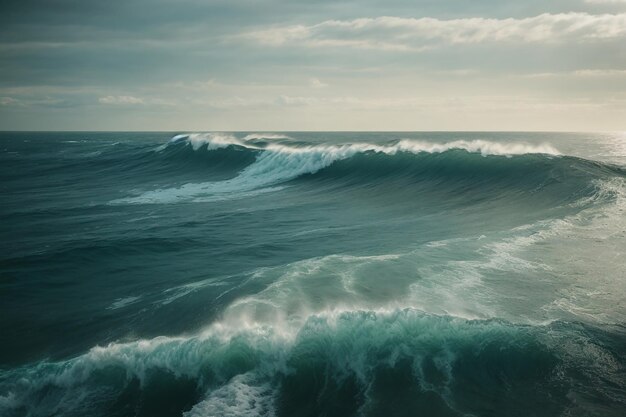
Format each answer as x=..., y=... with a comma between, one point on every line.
x=312, y=274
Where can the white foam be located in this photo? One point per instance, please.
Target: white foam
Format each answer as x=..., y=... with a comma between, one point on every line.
x=243, y=396
x=484, y=147
x=593, y=281
x=173, y=294
x=324, y=285
x=123, y=302
x=213, y=140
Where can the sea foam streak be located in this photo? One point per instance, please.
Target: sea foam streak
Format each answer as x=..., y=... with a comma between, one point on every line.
x=277, y=163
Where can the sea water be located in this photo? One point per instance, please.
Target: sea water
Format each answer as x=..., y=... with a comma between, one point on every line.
x=312, y=274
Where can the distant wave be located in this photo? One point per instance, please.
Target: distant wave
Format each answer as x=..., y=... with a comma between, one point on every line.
x=273, y=163
x=484, y=147
x=213, y=141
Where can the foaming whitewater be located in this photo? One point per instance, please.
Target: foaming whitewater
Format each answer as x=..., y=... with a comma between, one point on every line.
x=484, y=147
x=360, y=354
x=312, y=274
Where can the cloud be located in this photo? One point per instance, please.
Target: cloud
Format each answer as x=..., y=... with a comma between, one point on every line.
x=412, y=103
x=184, y=63
x=400, y=33
x=582, y=73
x=120, y=100
x=605, y=1
x=316, y=83
x=600, y=73
x=31, y=101
x=8, y=101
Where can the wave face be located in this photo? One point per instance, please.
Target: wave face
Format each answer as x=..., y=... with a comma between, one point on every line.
x=312, y=274
x=408, y=160
x=350, y=363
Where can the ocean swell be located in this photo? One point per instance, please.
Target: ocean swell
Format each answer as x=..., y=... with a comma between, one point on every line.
x=457, y=166
x=276, y=163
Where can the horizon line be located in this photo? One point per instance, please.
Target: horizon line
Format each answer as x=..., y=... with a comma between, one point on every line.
x=307, y=131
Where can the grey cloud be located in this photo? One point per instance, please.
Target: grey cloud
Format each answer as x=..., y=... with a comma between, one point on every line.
x=400, y=33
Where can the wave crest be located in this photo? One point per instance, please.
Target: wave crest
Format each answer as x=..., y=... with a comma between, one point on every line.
x=484, y=147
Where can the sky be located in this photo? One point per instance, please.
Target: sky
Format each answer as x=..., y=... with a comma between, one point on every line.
x=278, y=65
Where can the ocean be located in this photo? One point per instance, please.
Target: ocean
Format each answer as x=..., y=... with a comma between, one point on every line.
x=312, y=274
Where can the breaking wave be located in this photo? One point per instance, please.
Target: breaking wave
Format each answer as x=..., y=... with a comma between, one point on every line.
x=251, y=167
x=346, y=363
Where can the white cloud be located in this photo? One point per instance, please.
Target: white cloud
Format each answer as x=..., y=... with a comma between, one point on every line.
x=600, y=73
x=206, y=84
x=120, y=100
x=34, y=100
x=234, y=102
x=8, y=101
x=582, y=73
x=605, y=1
x=316, y=83
x=413, y=103
x=398, y=33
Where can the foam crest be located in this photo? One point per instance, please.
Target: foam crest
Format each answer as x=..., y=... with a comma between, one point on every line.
x=483, y=147
x=213, y=141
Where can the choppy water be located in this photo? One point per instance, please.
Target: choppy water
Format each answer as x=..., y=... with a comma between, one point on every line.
x=312, y=274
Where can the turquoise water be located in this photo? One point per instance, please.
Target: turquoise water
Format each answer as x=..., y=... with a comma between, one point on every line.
x=312, y=274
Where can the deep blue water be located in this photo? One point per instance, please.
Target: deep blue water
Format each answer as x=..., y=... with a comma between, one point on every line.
x=312, y=274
